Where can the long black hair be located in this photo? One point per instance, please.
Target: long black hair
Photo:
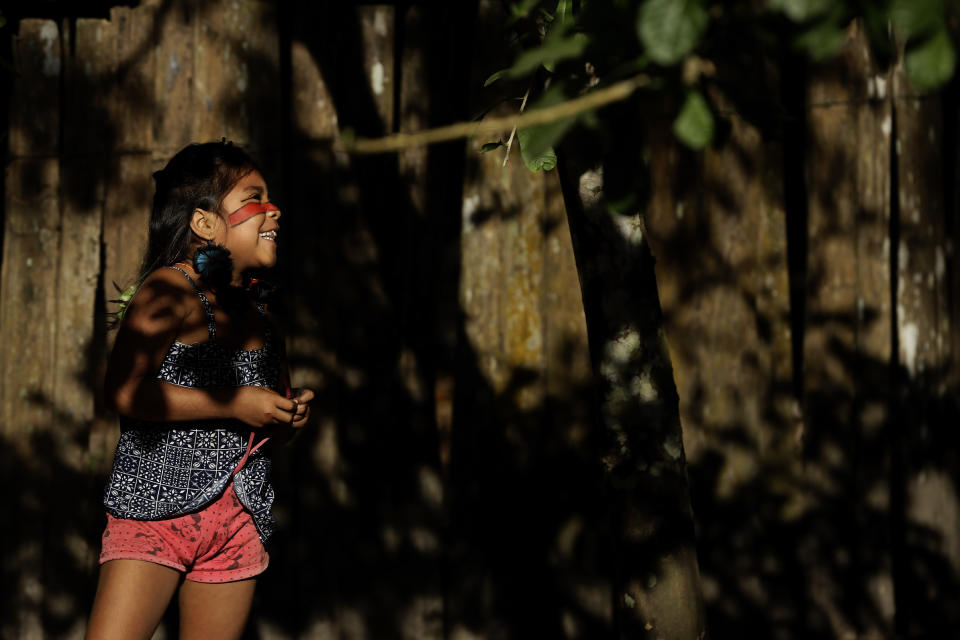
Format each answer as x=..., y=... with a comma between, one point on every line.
x=199, y=176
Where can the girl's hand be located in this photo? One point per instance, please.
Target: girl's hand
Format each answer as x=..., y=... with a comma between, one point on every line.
x=262, y=407
x=302, y=398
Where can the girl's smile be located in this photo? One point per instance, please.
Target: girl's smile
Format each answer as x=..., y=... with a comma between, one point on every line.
x=253, y=241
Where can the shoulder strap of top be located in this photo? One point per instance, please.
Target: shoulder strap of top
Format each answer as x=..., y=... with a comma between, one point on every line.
x=211, y=319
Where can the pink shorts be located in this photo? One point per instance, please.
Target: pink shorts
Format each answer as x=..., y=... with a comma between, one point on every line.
x=217, y=544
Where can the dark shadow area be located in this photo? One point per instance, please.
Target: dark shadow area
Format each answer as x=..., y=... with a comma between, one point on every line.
x=837, y=519
x=503, y=526
x=402, y=545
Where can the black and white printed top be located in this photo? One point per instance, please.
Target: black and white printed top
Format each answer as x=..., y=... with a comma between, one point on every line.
x=168, y=469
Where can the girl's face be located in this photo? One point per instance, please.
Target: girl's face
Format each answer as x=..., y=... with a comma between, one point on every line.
x=253, y=242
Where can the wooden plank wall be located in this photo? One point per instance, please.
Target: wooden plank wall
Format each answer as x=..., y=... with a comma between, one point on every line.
x=448, y=486
x=102, y=103
x=27, y=311
x=98, y=106
x=847, y=340
x=842, y=500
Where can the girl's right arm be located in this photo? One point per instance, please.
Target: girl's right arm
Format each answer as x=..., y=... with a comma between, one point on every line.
x=159, y=312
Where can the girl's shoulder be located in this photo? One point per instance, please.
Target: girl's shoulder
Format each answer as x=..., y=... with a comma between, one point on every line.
x=167, y=281
x=164, y=292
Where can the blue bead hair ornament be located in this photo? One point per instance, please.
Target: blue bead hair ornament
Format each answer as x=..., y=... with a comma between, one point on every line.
x=212, y=261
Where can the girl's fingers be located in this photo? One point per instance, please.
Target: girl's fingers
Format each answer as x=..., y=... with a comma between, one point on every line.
x=285, y=410
x=303, y=395
x=301, y=419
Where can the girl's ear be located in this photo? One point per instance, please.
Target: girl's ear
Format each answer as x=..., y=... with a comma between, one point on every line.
x=204, y=224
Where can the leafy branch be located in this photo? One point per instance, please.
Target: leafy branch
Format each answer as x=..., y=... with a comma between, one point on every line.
x=489, y=126
x=581, y=52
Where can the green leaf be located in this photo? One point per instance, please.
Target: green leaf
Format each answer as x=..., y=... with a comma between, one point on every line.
x=535, y=155
x=522, y=9
x=931, y=64
x=670, y=29
x=536, y=142
x=494, y=77
x=694, y=124
x=490, y=146
x=823, y=40
x=564, y=11
x=915, y=17
x=557, y=46
x=800, y=10
x=624, y=205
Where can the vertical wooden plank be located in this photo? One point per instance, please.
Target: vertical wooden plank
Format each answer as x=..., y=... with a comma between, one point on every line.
x=717, y=227
x=522, y=389
x=377, y=32
x=38, y=51
x=236, y=74
x=501, y=297
x=86, y=134
x=28, y=309
x=846, y=347
x=417, y=359
x=174, y=79
x=502, y=273
x=414, y=106
x=89, y=74
x=135, y=64
x=130, y=190
x=927, y=421
x=31, y=239
x=129, y=187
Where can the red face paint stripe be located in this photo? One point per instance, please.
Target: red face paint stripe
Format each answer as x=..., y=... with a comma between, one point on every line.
x=247, y=211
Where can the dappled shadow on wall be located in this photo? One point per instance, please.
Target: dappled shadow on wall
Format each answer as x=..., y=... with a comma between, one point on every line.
x=381, y=537
x=825, y=506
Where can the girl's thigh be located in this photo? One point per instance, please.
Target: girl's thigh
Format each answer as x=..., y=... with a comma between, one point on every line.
x=131, y=598
x=214, y=611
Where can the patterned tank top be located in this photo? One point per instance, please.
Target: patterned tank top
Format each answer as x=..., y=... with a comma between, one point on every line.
x=167, y=469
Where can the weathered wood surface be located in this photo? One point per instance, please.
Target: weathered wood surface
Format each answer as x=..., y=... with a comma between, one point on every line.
x=846, y=359
x=377, y=31
x=28, y=312
x=71, y=545
x=128, y=190
x=236, y=80
x=926, y=391
x=174, y=79
x=404, y=527
x=522, y=370
x=717, y=227
x=31, y=234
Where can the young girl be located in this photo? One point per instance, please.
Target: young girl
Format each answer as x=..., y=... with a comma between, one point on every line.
x=199, y=381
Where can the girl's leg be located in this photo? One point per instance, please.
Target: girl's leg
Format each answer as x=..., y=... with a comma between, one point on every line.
x=214, y=611
x=131, y=598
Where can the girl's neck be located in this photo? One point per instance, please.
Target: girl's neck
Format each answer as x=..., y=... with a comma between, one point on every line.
x=236, y=278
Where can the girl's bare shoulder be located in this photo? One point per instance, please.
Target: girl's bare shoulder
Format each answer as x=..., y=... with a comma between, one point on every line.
x=164, y=298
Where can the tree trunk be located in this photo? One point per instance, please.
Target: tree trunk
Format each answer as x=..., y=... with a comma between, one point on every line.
x=657, y=592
